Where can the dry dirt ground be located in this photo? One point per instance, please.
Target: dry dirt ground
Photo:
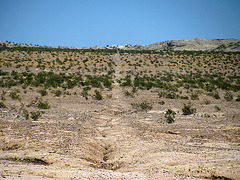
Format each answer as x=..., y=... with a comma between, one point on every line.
x=108, y=139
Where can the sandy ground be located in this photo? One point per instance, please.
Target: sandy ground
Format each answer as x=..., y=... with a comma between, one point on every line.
x=89, y=139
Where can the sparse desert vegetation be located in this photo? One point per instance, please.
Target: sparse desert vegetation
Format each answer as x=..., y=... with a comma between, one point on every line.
x=167, y=114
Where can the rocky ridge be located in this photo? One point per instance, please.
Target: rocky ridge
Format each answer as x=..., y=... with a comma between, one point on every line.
x=196, y=44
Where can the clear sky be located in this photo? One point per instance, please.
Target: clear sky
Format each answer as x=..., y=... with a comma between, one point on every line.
x=81, y=23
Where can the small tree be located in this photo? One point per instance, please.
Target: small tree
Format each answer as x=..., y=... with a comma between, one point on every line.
x=169, y=115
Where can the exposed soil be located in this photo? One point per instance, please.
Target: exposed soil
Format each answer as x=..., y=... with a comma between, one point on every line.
x=108, y=139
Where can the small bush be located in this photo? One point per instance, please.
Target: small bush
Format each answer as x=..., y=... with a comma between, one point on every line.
x=35, y=115
x=228, y=96
x=128, y=94
x=97, y=95
x=43, y=105
x=33, y=103
x=85, y=94
x=2, y=105
x=187, y=110
x=143, y=106
x=161, y=102
x=184, y=97
x=58, y=93
x=217, y=108
x=215, y=95
x=161, y=94
x=206, y=101
x=169, y=115
x=26, y=114
x=43, y=92
x=172, y=95
x=15, y=96
x=194, y=96
x=238, y=98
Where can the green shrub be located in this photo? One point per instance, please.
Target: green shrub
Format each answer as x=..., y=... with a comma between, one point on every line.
x=187, y=110
x=85, y=94
x=58, y=93
x=35, y=115
x=228, y=96
x=33, y=103
x=26, y=114
x=238, y=98
x=3, y=98
x=169, y=115
x=2, y=105
x=128, y=81
x=161, y=94
x=142, y=106
x=15, y=96
x=43, y=105
x=206, y=101
x=43, y=92
x=172, y=95
x=215, y=95
x=217, y=108
x=128, y=94
x=97, y=95
x=184, y=97
x=161, y=102
x=194, y=96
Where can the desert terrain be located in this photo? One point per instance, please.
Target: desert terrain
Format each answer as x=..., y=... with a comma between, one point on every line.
x=110, y=114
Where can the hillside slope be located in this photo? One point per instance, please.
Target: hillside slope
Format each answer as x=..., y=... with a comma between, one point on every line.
x=197, y=44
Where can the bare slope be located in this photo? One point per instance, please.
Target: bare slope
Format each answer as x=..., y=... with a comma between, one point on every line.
x=83, y=136
x=196, y=44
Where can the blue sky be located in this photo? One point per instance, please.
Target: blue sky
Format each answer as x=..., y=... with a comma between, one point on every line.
x=80, y=23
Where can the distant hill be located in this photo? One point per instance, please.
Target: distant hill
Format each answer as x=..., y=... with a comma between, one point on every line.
x=196, y=44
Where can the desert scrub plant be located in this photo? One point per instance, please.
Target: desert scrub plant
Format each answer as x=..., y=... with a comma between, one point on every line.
x=43, y=105
x=15, y=96
x=161, y=94
x=172, y=95
x=2, y=105
x=84, y=93
x=43, y=92
x=187, y=109
x=161, y=102
x=128, y=81
x=215, y=95
x=3, y=97
x=128, y=94
x=194, y=96
x=58, y=93
x=238, y=98
x=169, y=115
x=228, y=96
x=184, y=97
x=142, y=106
x=33, y=102
x=97, y=95
x=217, y=108
x=35, y=115
x=207, y=102
x=25, y=114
